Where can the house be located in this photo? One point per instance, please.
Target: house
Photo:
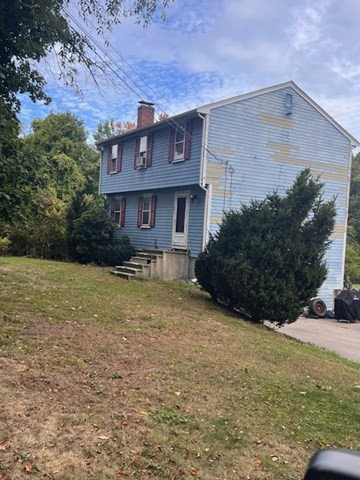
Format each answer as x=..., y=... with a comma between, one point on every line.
x=168, y=183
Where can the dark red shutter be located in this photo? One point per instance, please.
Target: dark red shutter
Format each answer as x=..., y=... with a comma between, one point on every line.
x=137, y=151
x=109, y=159
x=122, y=215
x=153, y=211
x=119, y=158
x=149, y=149
x=187, y=140
x=140, y=210
x=112, y=207
x=172, y=145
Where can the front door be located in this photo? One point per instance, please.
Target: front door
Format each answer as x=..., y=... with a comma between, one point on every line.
x=181, y=219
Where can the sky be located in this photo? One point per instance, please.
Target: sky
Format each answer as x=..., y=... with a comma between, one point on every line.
x=210, y=50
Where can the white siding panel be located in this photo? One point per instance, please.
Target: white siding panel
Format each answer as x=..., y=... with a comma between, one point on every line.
x=266, y=149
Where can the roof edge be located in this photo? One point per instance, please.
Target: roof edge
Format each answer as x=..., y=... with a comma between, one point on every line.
x=205, y=109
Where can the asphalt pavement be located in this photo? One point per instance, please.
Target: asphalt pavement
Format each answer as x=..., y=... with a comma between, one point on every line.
x=340, y=337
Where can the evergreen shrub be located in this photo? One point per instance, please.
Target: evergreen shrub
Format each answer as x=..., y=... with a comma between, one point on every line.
x=268, y=259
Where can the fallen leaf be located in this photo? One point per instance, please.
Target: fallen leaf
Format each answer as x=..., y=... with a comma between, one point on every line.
x=120, y=473
x=28, y=468
x=256, y=463
x=3, y=475
x=194, y=471
x=2, y=447
x=274, y=458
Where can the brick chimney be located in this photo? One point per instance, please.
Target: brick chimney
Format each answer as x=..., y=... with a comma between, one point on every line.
x=146, y=113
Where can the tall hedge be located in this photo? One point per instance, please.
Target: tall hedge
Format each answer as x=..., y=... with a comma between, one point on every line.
x=267, y=259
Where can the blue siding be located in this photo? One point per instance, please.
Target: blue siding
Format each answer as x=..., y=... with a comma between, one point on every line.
x=161, y=174
x=260, y=148
x=161, y=235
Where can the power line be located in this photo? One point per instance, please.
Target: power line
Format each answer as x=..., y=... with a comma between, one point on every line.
x=173, y=123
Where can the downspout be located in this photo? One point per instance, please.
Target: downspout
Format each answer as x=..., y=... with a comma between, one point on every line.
x=202, y=179
x=101, y=149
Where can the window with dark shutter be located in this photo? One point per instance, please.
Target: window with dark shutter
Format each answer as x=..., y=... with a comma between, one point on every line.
x=146, y=211
x=180, y=143
x=188, y=131
x=149, y=150
x=122, y=214
x=114, y=158
x=153, y=211
x=119, y=158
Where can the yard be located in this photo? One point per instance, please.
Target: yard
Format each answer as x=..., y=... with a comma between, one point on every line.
x=105, y=378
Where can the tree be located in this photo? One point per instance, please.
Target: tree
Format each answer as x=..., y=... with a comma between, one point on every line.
x=267, y=260
x=19, y=173
x=67, y=162
x=30, y=29
x=110, y=128
x=352, y=265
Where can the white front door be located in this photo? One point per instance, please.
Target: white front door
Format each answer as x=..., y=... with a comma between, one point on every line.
x=181, y=219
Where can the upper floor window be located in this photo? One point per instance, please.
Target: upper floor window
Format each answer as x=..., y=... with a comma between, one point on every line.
x=118, y=205
x=143, y=151
x=180, y=142
x=114, y=160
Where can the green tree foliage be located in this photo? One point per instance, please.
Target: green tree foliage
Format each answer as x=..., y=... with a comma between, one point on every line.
x=68, y=163
x=19, y=175
x=44, y=234
x=30, y=29
x=267, y=260
x=110, y=128
x=352, y=264
x=91, y=235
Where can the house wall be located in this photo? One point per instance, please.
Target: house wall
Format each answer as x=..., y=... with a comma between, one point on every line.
x=161, y=174
x=260, y=148
x=160, y=236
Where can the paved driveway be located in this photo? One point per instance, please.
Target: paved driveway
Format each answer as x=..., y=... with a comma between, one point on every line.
x=340, y=337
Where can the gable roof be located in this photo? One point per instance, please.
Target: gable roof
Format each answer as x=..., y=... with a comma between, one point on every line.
x=205, y=109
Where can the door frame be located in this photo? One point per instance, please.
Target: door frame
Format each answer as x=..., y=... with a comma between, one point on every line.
x=174, y=242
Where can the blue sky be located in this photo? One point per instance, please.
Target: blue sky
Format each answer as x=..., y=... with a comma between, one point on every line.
x=208, y=50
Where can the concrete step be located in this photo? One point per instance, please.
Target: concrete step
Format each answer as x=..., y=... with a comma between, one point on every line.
x=140, y=260
x=149, y=251
x=124, y=269
x=135, y=265
x=121, y=274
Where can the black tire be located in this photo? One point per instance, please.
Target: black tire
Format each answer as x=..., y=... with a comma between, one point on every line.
x=318, y=307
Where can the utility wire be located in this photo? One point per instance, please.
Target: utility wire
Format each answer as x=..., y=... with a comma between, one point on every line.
x=173, y=123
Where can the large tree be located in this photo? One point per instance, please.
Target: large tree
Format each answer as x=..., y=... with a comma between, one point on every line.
x=30, y=29
x=267, y=259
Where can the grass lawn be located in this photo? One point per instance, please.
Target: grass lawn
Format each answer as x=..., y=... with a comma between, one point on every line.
x=103, y=378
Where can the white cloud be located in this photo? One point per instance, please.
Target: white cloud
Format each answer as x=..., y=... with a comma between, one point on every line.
x=210, y=50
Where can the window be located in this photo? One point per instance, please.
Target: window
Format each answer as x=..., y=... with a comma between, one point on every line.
x=180, y=141
x=118, y=205
x=143, y=152
x=179, y=145
x=114, y=158
x=146, y=211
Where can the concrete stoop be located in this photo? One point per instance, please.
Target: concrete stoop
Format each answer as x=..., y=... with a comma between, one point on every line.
x=168, y=264
x=144, y=264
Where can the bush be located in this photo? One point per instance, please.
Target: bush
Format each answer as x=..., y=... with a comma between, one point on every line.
x=92, y=237
x=4, y=246
x=43, y=236
x=267, y=260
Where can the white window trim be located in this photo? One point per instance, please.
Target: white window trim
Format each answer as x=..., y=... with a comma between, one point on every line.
x=113, y=214
x=114, y=155
x=146, y=225
x=179, y=157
